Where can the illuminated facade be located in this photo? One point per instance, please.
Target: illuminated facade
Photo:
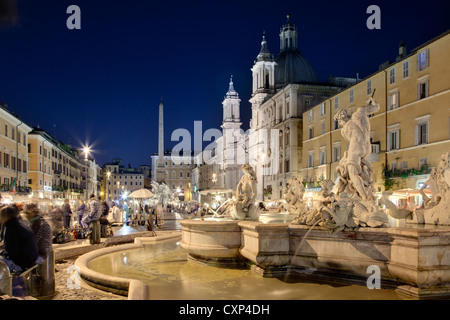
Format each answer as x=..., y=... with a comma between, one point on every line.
x=13, y=151
x=283, y=88
x=409, y=133
x=121, y=181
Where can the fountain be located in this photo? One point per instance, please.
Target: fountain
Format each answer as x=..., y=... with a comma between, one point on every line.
x=344, y=235
x=340, y=239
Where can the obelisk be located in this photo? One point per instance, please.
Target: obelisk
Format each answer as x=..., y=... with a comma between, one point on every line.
x=160, y=168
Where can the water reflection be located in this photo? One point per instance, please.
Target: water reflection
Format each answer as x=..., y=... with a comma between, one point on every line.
x=164, y=267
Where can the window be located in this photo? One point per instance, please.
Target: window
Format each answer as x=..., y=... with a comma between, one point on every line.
x=393, y=139
x=307, y=104
x=423, y=60
x=405, y=69
x=422, y=133
x=404, y=165
x=335, y=124
x=423, y=162
x=392, y=76
x=393, y=101
x=6, y=130
x=322, y=127
x=323, y=156
x=310, y=159
x=336, y=152
x=322, y=109
x=394, y=166
x=310, y=132
x=422, y=89
x=351, y=95
x=369, y=87
x=181, y=174
x=336, y=103
x=311, y=115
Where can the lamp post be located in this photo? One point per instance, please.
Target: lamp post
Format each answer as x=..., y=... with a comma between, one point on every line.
x=108, y=174
x=86, y=152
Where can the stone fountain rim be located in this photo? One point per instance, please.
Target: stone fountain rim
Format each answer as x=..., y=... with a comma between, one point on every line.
x=136, y=289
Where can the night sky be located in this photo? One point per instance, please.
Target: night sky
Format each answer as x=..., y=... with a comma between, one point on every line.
x=102, y=85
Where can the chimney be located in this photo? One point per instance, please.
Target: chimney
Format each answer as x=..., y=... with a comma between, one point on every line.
x=401, y=50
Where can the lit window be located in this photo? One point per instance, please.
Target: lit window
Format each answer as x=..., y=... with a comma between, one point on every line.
x=422, y=60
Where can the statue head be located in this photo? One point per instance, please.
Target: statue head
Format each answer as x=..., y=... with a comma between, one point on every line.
x=327, y=185
x=342, y=116
x=248, y=170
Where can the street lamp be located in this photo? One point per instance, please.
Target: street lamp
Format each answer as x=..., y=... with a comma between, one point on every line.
x=86, y=153
x=108, y=174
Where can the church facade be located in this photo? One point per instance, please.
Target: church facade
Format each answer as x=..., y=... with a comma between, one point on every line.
x=284, y=87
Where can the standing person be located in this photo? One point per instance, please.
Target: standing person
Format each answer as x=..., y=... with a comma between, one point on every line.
x=41, y=229
x=80, y=212
x=55, y=220
x=95, y=212
x=116, y=213
x=159, y=215
x=67, y=213
x=149, y=219
x=104, y=218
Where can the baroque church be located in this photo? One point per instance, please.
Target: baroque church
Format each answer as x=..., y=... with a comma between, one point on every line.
x=284, y=87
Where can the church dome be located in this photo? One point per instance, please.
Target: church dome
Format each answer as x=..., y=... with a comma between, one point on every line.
x=294, y=68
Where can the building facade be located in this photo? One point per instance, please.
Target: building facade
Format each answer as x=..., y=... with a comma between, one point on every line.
x=410, y=131
x=218, y=171
x=283, y=89
x=118, y=182
x=177, y=173
x=58, y=171
x=13, y=151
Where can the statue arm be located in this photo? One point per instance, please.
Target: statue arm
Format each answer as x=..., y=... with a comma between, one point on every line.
x=372, y=106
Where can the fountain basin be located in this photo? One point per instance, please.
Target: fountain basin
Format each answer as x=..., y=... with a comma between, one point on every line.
x=415, y=260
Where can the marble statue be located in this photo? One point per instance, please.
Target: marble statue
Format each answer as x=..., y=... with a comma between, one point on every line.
x=354, y=204
x=437, y=208
x=242, y=205
x=354, y=170
x=392, y=209
x=293, y=196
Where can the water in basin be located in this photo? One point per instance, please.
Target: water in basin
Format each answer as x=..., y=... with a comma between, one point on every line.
x=165, y=269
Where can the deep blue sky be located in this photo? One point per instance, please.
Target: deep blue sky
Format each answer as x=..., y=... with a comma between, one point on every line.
x=102, y=84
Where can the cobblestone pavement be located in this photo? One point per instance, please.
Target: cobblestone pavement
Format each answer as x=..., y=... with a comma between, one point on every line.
x=86, y=292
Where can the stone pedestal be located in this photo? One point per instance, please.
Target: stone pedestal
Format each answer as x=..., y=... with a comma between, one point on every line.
x=267, y=245
x=420, y=257
x=212, y=242
x=94, y=237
